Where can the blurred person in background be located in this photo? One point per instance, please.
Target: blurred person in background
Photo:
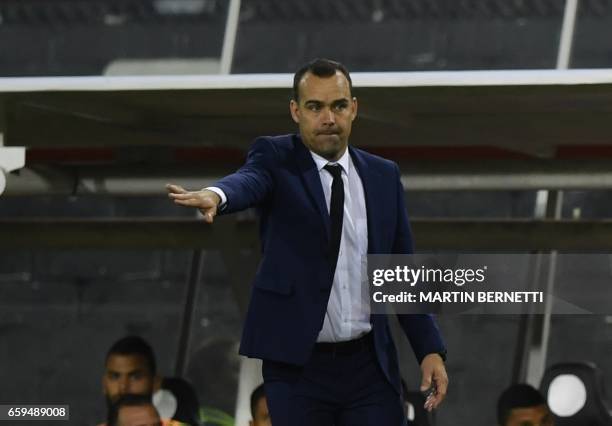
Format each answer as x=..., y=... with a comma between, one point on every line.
x=259, y=408
x=136, y=410
x=133, y=410
x=131, y=369
x=523, y=405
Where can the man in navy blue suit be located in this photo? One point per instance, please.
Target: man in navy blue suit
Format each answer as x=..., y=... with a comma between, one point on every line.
x=324, y=206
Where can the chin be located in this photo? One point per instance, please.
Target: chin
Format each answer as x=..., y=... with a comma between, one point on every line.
x=331, y=154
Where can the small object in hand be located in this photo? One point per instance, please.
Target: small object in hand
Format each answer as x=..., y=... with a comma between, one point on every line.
x=429, y=394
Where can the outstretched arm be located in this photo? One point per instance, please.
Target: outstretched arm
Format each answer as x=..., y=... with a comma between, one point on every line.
x=249, y=186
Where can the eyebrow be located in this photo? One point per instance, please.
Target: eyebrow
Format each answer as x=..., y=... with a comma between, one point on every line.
x=137, y=370
x=334, y=102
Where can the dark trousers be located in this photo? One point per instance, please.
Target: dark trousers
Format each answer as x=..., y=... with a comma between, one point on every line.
x=339, y=386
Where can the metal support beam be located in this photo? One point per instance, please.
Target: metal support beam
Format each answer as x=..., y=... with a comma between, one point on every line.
x=124, y=233
x=446, y=175
x=534, y=330
x=532, y=349
x=566, y=40
x=193, y=281
x=443, y=234
x=229, y=39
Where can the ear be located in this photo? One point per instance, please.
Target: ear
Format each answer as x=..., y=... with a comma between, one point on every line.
x=354, y=113
x=294, y=108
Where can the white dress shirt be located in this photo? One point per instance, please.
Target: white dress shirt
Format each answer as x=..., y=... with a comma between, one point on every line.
x=348, y=308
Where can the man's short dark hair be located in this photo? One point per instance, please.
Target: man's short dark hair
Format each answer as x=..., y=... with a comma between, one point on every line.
x=256, y=395
x=134, y=345
x=127, y=400
x=321, y=68
x=517, y=396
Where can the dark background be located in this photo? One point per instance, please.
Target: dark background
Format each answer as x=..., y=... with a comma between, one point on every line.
x=60, y=310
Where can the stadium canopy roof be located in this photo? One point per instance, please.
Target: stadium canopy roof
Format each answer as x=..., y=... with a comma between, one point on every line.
x=533, y=112
x=531, y=127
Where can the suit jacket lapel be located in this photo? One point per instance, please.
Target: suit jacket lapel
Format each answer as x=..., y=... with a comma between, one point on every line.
x=370, y=181
x=312, y=181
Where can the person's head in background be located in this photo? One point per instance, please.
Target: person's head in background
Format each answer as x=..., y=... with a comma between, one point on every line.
x=133, y=410
x=129, y=369
x=523, y=405
x=259, y=408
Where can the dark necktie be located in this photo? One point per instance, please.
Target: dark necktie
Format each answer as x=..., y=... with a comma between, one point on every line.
x=336, y=212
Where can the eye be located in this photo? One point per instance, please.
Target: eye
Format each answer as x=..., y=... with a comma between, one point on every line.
x=313, y=107
x=341, y=106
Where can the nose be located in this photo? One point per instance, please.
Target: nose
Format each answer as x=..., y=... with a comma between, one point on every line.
x=123, y=386
x=329, y=117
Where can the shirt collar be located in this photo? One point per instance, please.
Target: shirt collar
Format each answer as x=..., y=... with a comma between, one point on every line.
x=321, y=162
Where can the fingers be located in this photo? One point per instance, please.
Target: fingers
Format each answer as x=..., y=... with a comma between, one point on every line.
x=430, y=396
x=190, y=198
x=175, y=189
x=440, y=394
x=183, y=196
x=204, y=200
x=427, y=389
x=435, y=398
x=177, y=192
x=429, y=402
x=434, y=382
x=209, y=215
x=433, y=402
x=187, y=201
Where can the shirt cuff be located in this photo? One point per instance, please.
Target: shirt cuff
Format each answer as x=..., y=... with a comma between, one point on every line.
x=221, y=195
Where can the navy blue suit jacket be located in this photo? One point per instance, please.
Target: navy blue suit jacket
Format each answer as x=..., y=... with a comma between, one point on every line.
x=293, y=282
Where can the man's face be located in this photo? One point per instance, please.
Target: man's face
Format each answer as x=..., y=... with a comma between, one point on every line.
x=262, y=416
x=325, y=114
x=530, y=416
x=127, y=374
x=142, y=415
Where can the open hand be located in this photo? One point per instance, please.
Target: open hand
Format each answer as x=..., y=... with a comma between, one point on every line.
x=204, y=200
